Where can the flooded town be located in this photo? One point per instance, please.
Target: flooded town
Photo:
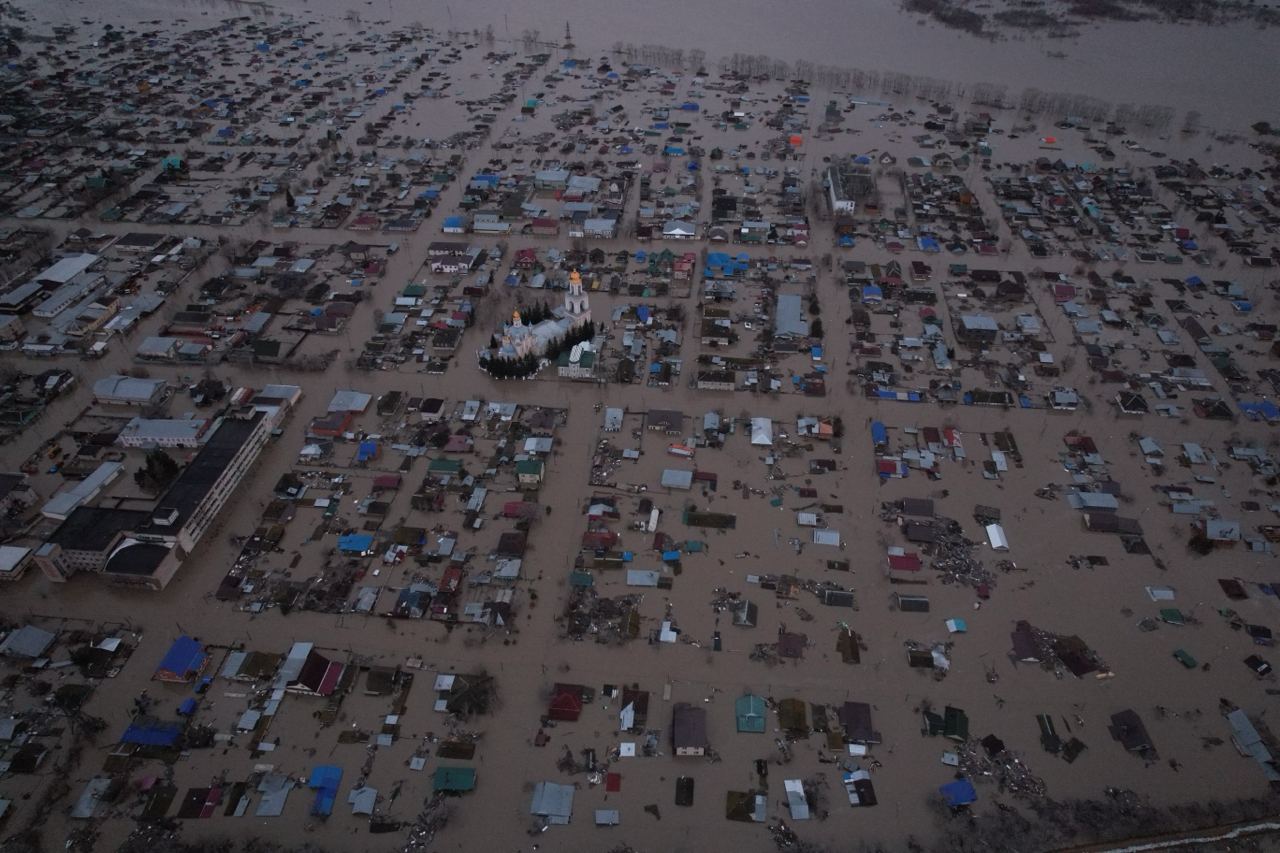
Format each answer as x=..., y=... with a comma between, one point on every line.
x=487, y=428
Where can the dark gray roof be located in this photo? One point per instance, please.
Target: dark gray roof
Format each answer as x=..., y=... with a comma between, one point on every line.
x=195, y=481
x=141, y=559
x=93, y=528
x=688, y=726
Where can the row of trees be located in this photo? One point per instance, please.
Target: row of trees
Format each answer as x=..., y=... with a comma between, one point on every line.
x=585, y=332
x=157, y=472
x=534, y=314
x=511, y=368
x=677, y=58
x=500, y=367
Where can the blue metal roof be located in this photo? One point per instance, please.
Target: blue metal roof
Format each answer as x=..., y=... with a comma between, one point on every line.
x=355, y=542
x=152, y=733
x=184, y=660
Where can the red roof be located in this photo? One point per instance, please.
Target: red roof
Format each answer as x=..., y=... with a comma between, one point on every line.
x=330, y=681
x=519, y=509
x=386, y=481
x=905, y=562
x=600, y=539
x=566, y=703
x=451, y=581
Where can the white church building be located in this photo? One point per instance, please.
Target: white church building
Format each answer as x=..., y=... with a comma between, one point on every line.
x=517, y=340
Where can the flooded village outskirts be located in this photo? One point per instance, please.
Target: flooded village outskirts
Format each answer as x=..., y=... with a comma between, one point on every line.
x=669, y=429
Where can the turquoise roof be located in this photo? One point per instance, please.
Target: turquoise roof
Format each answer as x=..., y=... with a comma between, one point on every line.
x=750, y=711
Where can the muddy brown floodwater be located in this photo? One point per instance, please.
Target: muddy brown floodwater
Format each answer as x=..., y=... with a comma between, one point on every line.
x=1227, y=73
x=1178, y=66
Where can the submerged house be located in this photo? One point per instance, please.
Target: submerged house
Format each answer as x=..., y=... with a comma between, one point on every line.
x=183, y=663
x=689, y=730
x=307, y=671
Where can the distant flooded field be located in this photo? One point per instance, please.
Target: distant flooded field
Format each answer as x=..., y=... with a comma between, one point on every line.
x=1225, y=72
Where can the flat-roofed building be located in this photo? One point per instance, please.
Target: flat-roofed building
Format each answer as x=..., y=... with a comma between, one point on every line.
x=164, y=432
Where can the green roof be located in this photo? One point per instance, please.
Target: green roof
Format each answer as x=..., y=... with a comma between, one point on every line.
x=529, y=466
x=750, y=712
x=455, y=779
x=585, y=359
x=955, y=724
x=444, y=466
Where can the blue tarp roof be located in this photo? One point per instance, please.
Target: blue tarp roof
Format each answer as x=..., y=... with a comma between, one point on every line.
x=152, y=733
x=356, y=543
x=959, y=793
x=368, y=450
x=1264, y=409
x=670, y=556
x=879, y=434
x=184, y=660
x=325, y=779
x=188, y=707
